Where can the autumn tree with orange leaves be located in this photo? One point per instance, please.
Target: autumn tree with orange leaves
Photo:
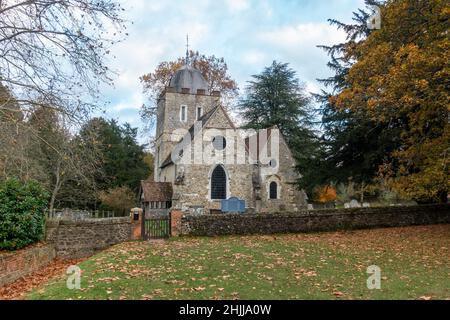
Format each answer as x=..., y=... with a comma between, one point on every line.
x=401, y=75
x=325, y=194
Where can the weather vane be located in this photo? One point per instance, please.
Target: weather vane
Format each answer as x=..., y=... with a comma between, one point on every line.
x=187, y=49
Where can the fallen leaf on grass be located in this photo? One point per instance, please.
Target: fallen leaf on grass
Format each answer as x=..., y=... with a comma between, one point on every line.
x=20, y=287
x=338, y=294
x=199, y=289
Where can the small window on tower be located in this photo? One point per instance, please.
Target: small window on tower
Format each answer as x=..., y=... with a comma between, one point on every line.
x=199, y=112
x=183, y=113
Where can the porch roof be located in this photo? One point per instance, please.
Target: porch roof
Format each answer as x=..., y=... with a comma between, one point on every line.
x=156, y=191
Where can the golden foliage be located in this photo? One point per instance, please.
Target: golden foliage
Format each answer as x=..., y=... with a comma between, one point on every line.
x=325, y=194
x=401, y=79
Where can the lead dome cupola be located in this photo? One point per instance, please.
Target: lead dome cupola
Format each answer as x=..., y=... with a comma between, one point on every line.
x=188, y=77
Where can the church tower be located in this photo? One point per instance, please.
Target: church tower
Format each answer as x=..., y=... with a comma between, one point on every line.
x=185, y=100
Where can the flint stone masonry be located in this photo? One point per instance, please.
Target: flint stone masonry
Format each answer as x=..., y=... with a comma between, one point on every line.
x=192, y=181
x=313, y=221
x=76, y=239
x=14, y=265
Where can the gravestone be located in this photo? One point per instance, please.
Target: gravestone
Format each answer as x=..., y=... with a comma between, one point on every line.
x=233, y=204
x=355, y=204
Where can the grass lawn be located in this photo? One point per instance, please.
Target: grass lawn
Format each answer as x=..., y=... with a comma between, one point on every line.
x=414, y=264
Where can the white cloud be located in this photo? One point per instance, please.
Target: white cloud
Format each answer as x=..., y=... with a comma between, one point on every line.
x=129, y=103
x=297, y=44
x=312, y=87
x=267, y=8
x=238, y=5
x=253, y=57
x=141, y=52
x=303, y=35
x=271, y=30
x=147, y=6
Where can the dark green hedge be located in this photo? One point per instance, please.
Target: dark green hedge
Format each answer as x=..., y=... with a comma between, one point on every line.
x=22, y=213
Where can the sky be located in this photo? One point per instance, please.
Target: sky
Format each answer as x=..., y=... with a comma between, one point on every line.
x=248, y=34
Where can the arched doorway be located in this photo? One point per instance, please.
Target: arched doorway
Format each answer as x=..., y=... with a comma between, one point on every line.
x=218, y=183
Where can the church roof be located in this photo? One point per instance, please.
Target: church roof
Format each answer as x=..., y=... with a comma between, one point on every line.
x=204, y=120
x=156, y=191
x=167, y=162
x=259, y=138
x=188, y=77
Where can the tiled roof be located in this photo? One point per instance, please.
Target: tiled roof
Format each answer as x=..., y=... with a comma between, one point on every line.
x=167, y=162
x=156, y=191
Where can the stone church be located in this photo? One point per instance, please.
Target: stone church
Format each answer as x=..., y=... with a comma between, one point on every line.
x=202, y=158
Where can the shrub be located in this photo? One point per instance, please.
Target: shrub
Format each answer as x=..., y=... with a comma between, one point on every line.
x=120, y=199
x=22, y=213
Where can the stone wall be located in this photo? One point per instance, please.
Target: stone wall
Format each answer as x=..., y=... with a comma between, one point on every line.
x=313, y=221
x=75, y=239
x=289, y=198
x=14, y=265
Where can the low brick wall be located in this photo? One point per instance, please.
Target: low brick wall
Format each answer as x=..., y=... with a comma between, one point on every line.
x=14, y=265
x=81, y=238
x=312, y=221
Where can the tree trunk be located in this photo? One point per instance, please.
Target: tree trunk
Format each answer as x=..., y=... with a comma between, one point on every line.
x=362, y=193
x=56, y=187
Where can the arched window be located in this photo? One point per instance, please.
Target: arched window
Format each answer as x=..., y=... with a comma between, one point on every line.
x=218, y=184
x=273, y=190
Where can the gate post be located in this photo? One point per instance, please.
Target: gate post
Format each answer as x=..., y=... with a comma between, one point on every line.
x=175, y=222
x=137, y=223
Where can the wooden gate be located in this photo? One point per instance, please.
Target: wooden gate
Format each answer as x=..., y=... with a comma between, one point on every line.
x=156, y=227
